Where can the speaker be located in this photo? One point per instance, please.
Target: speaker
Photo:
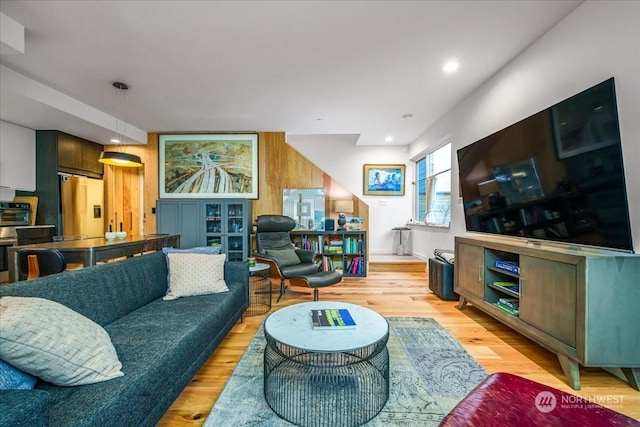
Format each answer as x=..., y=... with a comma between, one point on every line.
x=329, y=224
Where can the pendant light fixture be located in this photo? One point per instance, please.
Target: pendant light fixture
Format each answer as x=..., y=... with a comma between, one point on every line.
x=118, y=158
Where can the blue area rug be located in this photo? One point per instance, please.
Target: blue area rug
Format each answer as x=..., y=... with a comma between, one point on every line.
x=429, y=374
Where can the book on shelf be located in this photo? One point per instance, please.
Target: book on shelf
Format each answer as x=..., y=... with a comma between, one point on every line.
x=352, y=245
x=510, y=302
x=327, y=264
x=511, y=267
x=356, y=266
x=307, y=244
x=506, y=308
x=512, y=286
x=332, y=319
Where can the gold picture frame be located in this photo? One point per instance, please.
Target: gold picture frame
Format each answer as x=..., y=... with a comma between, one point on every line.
x=383, y=180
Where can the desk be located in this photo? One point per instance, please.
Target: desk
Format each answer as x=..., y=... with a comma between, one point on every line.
x=88, y=252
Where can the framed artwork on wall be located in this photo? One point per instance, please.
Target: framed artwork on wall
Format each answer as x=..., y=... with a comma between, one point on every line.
x=208, y=166
x=384, y=180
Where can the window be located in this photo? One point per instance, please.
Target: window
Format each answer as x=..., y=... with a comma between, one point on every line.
x=433, y=187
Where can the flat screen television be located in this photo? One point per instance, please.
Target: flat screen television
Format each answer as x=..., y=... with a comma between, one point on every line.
x=557, y=175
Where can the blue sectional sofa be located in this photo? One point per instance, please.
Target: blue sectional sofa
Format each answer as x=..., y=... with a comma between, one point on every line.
x=161, y=344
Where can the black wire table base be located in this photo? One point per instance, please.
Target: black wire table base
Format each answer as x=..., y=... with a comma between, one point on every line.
x=259, y=293
x=326, y=389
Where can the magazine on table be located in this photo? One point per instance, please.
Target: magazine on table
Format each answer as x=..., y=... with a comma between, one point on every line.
x=332, y=318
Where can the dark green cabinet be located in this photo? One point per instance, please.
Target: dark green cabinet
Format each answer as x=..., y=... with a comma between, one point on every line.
x=183, y=218
x=210, y=222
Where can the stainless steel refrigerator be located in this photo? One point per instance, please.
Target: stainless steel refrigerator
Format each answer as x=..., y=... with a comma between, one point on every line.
x=82, y=202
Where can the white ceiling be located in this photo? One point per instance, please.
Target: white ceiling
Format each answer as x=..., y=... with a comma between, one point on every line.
x=350, y=68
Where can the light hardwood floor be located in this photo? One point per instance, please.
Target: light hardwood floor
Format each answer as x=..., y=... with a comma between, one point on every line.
x=496, y=347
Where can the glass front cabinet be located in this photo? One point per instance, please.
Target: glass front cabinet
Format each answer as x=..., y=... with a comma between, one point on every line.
x=228, y=223
x=210, y=222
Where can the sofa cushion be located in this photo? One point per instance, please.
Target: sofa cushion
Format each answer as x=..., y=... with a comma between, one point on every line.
x=25, y=408
x=161, y=345
x=12, y=378
x=284, y=257
x=209, y=250
x=124, y=285
x=48, y=340
x=195, y=274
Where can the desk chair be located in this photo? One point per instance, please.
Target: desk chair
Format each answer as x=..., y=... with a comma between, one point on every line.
x=37, y=262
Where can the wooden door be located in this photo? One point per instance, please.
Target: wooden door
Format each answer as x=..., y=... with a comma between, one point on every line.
x=124, y=195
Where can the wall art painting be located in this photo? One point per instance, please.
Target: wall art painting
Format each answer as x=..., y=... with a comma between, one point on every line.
x=384, y=180
x=208, y=166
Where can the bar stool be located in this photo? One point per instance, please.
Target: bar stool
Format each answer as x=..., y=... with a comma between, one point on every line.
x=37, y=262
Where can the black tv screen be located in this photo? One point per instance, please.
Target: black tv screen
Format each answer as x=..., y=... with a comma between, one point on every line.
x=557, y=175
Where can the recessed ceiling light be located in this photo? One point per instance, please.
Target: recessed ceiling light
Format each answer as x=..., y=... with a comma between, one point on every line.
x=389, y=138
x=451, y=66
x=115, y=140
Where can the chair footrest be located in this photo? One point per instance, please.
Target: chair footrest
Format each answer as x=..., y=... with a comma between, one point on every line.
x=317, y=280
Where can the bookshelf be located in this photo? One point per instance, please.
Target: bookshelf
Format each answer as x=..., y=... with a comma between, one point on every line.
x=574, y=301
x=341, y=250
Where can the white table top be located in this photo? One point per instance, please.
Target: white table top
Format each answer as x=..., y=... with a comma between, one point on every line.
x=260, y=266
x=292, y=326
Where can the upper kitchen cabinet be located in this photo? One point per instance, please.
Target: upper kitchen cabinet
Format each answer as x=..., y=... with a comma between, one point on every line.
x=17, y=157
x=79, y=156
x=60, y=152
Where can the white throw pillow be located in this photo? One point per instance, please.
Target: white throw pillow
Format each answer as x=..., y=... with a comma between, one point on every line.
x=195, y=274
x=53, y=342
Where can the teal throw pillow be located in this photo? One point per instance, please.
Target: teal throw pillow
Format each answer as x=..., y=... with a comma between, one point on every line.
x=284, y=257
x=14, y=379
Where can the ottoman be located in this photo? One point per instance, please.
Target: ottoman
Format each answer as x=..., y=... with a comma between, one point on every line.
x=317, y=280
x=508, y=400
x=441, y=279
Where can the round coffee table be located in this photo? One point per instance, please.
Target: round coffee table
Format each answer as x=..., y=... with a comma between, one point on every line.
x=326, y=377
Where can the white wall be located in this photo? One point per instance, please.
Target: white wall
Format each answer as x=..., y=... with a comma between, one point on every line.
x=17, y=159
x=344, y=162
x=597, y=41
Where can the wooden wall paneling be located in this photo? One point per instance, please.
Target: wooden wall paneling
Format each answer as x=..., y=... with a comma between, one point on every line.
x=283, y=167
x=279, y=167
x=125, y=184
x=128, y=202
x=149, y=156
x=271, y=149
x=109, y=196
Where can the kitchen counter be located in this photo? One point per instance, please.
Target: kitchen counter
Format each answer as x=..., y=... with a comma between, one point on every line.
x=88, y=252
